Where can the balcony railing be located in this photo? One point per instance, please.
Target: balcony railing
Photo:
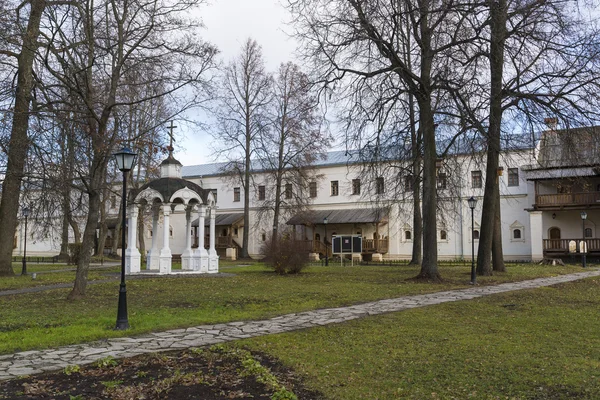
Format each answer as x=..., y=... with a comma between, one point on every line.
x=567, y=199
x=369, y=246
x=561, y=246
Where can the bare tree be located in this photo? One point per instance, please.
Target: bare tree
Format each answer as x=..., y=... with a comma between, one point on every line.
x=19, y=141
x=294, y=141
x=242, y=117
x=89, y=48
x=349, y=39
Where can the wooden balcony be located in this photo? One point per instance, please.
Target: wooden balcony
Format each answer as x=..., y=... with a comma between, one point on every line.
x=561, y=246
x=221, y=242
x=568, y=200
x=369, y=246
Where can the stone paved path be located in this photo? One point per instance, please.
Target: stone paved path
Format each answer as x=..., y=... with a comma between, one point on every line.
x=32, y=362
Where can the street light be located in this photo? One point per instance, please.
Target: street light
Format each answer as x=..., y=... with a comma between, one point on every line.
x=472, y=203
x=583, y=244
x=25, y=213
x=325, y=221
x=125, y=160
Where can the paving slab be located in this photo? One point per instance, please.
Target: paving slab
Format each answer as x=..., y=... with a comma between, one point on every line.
x=33, y=362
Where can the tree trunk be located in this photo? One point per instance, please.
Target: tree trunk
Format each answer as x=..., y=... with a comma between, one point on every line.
x=497, y=252
x=429, y=268
x=64, y=244
x=417, y=246
x=488, y=213
x=247, y=160
x=19, y=142
x=117, y=232
x=141, y=230
x=87, y=245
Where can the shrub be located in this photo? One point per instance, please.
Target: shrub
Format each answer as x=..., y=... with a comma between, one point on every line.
x=284, y=255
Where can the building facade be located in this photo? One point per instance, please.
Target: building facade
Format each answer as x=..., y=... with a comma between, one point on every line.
x=545, y=191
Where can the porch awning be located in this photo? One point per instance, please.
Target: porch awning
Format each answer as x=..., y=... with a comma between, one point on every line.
x=223, y=220
x=349, y=216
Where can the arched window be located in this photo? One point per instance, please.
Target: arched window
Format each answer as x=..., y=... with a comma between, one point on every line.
x=443, y=235
x=516, y=234
x=588, y=233
x=408, y=235
x=476, y=234
x=554, y=233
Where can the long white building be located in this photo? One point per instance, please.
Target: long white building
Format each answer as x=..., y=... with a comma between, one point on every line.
x=544, y=192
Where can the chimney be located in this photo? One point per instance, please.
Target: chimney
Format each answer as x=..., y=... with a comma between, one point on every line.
x=551, y=123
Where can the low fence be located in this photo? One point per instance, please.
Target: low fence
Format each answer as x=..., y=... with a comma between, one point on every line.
x=37, y=260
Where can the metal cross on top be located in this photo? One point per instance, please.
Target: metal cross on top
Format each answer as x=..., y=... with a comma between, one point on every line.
x=170, y=148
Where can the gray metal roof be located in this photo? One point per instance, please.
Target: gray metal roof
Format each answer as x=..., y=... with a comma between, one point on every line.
x=340, y=157
x=223, y=220
x=349, y=216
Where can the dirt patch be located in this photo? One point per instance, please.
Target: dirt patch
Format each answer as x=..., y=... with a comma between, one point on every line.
x=205, y=373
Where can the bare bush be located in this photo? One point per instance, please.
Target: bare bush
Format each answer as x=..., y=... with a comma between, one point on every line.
x=285, y=255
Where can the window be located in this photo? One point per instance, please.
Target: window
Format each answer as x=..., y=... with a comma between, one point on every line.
x=443, y=235
x=113, y=201
x=312, y=189
x=476, y=181
x=379, y=185
x=441, y=180
x=236, y=194
x=288, y=191
x=263, y=237
x=355, y=186
x=235, y=231
x=171, y=232
x=517, y=232
x=407, y=235
x=476, y=234
x=513, y=177
x=261, y=192
x=335, y=188
x=214, y=193
x=588, y=232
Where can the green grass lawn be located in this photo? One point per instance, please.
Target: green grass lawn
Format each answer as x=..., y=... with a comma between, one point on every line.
x=535, y=344
x=41, y=320
x=49, y=274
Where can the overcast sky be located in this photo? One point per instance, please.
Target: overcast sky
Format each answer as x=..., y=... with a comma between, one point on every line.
x=228, y=24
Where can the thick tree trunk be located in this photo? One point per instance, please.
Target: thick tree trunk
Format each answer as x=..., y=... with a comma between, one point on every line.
x=497, y=252
x=488, y=214
x=429, y=267
x=19, y=142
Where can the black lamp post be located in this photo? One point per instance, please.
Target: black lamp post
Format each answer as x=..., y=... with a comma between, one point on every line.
x=25, y=213
x=472, y=203
x=583, y=244
x=125, y=160
x=325, y=221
